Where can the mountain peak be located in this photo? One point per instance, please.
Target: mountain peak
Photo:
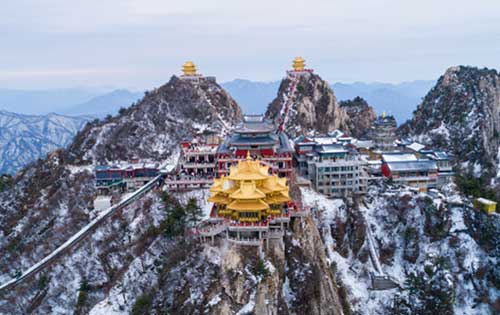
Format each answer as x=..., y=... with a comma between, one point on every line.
x=461, y=114
x=313, y=105
x=151, y=127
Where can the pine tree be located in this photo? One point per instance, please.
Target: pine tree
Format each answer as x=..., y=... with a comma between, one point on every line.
x=193, y=212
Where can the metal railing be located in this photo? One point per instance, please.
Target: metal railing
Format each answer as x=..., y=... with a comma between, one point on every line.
x=80, y=235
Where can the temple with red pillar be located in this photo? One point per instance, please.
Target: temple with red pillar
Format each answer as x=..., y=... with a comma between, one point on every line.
x=257, y=136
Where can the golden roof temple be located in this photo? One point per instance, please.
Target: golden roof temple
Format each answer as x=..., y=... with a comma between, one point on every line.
x=299, y=64
x=188, y=68
x=249, y=193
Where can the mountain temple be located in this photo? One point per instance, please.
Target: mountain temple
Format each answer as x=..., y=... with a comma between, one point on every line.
x=249, y=193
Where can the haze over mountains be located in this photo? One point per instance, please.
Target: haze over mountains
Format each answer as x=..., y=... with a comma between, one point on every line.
x=86, y=104
x=253, y=96
x=399, y=99
x=69, y=101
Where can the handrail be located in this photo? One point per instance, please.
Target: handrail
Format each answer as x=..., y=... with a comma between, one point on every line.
x=80, y=235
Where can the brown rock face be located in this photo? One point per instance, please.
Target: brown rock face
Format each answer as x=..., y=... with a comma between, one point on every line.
x=314, y=107
x=361, y=116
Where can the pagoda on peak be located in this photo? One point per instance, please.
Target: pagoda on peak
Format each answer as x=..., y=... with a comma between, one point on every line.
x=299, y=67
x=249, y=193
x=299, y=64
x=189, y=69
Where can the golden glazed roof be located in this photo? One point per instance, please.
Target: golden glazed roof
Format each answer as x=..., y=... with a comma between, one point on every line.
x=188, y=68
x=248, y=170
x=248, y=190
x=248, y=205
x=298, y=64
x=249, y=187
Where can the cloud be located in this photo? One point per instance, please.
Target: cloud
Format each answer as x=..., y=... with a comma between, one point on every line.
x=385, y=40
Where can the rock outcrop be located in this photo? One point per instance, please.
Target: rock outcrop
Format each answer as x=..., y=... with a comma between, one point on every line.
x=361, y=116
x=314, y=107
x=462, y=114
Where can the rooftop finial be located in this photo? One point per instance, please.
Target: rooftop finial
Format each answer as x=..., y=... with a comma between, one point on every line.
x=249, y=158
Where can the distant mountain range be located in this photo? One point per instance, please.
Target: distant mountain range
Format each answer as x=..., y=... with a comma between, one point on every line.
x=25, y=138
x=91, y=102
x=35, y=130
x=399, y=100
x=252, y=96
x=42, y=102
x=105, y=104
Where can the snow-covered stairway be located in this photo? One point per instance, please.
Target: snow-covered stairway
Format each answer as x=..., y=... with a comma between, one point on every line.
x=285, y=109
x=88, y=229
x=380, y=280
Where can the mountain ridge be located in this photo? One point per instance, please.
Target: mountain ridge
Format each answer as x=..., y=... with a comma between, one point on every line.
x=397, y=99
x=25, y=138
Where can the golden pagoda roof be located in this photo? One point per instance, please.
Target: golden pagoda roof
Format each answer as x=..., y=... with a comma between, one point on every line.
x=278, y=197
x=249, y=187
x=248, y=170
x=219, y=199
x=248, y=190
x=188, y=68
x=217, y=185
x=274, y=183
x=299, y=64
x=248, y=205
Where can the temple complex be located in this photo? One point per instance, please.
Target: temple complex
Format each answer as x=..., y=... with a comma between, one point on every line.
x=197, y=163
x=383, y=132
x=250, y=205
x=257, y=136
x=249, y=193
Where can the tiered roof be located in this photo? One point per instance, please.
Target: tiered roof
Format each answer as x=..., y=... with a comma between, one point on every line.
x=249, y=188
x=188, y=68
x=299, y=64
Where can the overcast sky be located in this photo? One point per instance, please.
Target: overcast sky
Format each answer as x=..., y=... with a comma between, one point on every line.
x=139, y=44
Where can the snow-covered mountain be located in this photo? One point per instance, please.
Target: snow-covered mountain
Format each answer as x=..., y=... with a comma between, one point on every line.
x=444, y=256
x=152, y=127
x=462, y=115
x=25, y=138
x=129, y=265
x=395, y=99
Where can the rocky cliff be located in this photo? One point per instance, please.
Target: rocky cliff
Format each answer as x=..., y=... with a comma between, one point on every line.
x=461, y=113
x=130, y=264
x=361, y=116
x=152, y=127
x=51, y=199
x=443, y=255
x=314, y=107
